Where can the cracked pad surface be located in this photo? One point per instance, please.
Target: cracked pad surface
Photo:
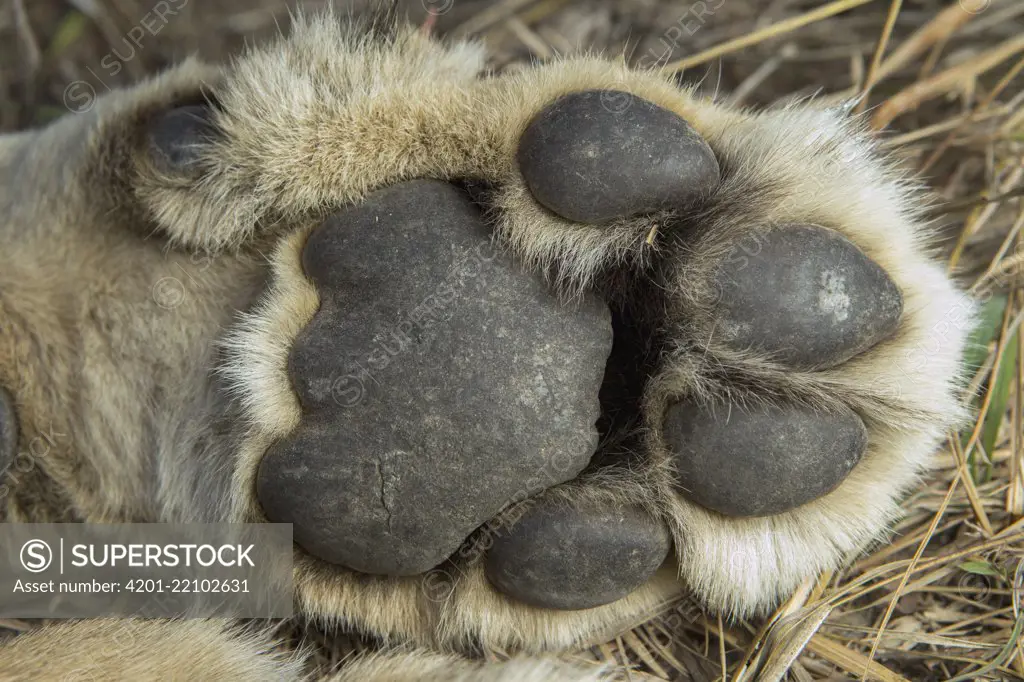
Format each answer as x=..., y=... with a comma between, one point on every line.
x=438, y=384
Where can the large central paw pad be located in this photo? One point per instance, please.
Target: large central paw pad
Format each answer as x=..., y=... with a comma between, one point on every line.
x=439, y=384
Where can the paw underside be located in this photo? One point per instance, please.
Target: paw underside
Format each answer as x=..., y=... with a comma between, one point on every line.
x=571, y=338
x=449, y=393
x=540, y=351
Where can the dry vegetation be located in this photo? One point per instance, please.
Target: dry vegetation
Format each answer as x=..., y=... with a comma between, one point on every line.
x=943, y=78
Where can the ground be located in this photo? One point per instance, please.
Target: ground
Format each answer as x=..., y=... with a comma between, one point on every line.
x=943, y=86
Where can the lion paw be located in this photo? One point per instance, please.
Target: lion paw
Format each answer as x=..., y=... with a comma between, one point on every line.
x=542, y=350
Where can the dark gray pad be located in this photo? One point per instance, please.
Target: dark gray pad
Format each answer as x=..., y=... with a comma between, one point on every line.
x=561, y=557
x=601, y=154
x=438, y=384
x=8, y=431
x=809, y=296
x=756, y=461
x=174, y=138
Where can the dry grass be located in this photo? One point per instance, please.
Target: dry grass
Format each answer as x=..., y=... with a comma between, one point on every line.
x=943, y=600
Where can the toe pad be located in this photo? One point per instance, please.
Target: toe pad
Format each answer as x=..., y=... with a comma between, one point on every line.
x=761, y=460
x=809, y=296
x=599, y=155
x=562, y=557
x=8, y=431
x=174, y=138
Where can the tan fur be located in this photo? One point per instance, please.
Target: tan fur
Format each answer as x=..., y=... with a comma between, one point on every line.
x=143, y=650
x=419, y=666
x=125, y=390
x=131, y=650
